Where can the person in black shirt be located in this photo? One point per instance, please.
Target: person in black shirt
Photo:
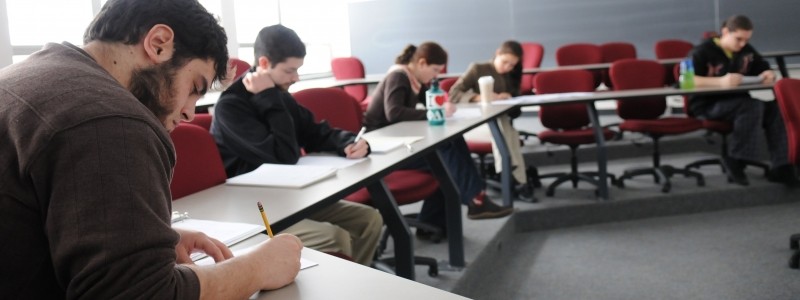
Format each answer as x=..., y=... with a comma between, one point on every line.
x=256, y=121
x=724, y=62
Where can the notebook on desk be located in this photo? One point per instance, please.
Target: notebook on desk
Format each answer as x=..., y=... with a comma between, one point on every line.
x=285, y=176
x=385, y=144
x=228, y=233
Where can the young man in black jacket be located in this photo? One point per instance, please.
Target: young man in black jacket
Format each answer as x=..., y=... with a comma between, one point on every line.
x=724, y=62
x=257, y=121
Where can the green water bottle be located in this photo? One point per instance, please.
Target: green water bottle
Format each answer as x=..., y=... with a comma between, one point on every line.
x=434, y=103
x=686, y=79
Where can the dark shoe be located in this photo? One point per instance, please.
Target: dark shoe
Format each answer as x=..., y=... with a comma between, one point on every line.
x=487, y=209
x=735, y=171
x=430, y=235
x=525, y=192
x=786, y=174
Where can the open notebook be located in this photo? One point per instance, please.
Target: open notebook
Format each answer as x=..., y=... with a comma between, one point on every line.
x=228, y=233
x=288, y=176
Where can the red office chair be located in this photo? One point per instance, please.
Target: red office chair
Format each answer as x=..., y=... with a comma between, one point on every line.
x=351, y=68
x=198, y=164
x=721, y=127
x=613, y=52
x=407, y=186
x=665, y=49
x=241, y=66
x=202, y=120
x=787, y=93
x=567, y=123
x=446, y=83
x=532, y=54
x=581, y=54
x=644, y=116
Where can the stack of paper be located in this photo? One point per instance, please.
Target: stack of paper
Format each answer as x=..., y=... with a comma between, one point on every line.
x=385, y=144
x=290, y=176
x=228, y=233
x=333, y=161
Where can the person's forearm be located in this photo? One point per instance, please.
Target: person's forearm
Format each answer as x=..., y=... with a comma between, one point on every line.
x=702, y=81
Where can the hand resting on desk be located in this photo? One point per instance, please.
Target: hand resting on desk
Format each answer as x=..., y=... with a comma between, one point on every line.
x=270, y=265
x=195, y=241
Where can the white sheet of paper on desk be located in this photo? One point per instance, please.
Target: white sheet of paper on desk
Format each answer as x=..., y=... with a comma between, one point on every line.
x=751, y=79
x=328, y=160
x=304, y=263
x=228, y=233
x=385, y=144
x=466, y=113
x=286, y=176
x=550, y=97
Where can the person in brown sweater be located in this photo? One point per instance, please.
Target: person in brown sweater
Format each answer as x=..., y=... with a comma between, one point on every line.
x=395, y=100
x=84, y=188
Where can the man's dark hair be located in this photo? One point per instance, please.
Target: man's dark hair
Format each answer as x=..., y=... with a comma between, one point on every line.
x=278, y=43
x=197, y=32
x=737, y=22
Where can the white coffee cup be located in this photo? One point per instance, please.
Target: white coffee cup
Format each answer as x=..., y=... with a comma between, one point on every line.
x=486, y=86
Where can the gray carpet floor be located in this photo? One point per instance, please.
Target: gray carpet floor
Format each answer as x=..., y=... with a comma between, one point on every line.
x=732, y=254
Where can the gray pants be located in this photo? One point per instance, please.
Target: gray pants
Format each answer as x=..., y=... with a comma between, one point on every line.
x=748, y=116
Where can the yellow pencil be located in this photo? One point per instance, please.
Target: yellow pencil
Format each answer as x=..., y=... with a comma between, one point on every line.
x=264, y=216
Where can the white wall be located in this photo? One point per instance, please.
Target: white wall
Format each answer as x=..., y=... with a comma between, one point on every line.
x=5, y=39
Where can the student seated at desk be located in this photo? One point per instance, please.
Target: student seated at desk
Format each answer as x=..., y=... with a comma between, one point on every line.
x=506, y=70
x=256, y=121
x=395, y=100
x=722, y=62
x=87, y=159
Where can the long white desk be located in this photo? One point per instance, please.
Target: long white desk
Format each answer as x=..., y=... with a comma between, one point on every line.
x=286, y=206
x=335, y=278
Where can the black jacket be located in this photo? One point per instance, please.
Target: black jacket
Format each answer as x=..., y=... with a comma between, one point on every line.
x=268, y=127
x=710, y=61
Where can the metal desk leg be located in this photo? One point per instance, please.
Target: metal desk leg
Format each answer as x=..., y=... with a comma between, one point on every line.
x=602, y=184
x=383, y=200
x=455, y=234
x=505, y=175
x=782, y=66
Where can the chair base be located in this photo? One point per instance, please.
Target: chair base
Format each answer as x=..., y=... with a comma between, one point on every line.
x=662, y=175
x=588, y=177
x=387, y=264
x=718, y=161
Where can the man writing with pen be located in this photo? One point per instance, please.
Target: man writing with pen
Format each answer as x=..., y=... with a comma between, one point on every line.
x=257, y=121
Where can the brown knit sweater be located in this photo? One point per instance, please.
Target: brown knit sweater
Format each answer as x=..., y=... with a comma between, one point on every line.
x=84, y=186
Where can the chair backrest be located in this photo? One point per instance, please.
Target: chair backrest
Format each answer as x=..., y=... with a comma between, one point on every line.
x=334, y=105
x=581, y=54
x=629, y=74
x=672, y=49
x=787, y=93
x=241, y=66
x=564, y=116
x=532, y=54
x=447, y=83
x=199, y=165
x=350, y=68
x=613, y=52
x=202, y=120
